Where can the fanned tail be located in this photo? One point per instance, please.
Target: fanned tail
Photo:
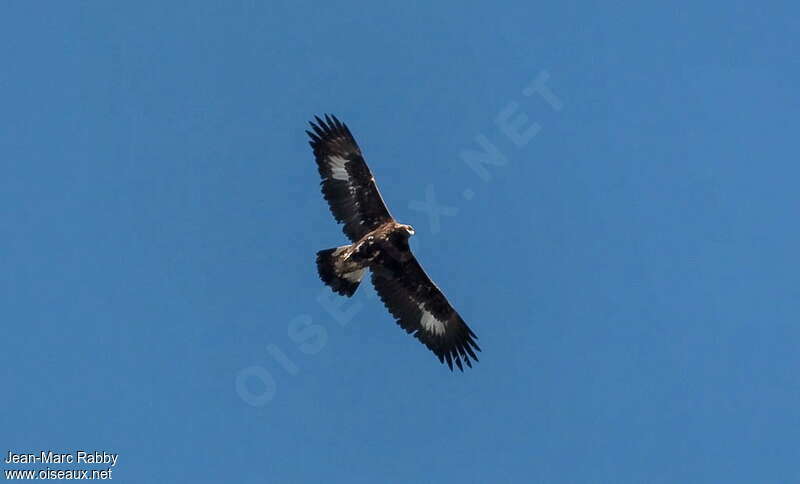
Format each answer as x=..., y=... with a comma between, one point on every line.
x=329, y=268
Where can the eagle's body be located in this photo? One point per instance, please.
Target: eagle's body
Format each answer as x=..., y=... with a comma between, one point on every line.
x=390, y=238
x=380, y=245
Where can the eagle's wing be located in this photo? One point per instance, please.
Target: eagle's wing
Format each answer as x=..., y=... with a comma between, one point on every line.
x=347, y=183
x=420, y=308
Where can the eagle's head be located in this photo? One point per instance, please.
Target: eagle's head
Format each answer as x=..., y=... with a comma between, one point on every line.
x=409, y=229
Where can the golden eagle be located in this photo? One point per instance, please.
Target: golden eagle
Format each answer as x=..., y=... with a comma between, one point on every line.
x=380, y=244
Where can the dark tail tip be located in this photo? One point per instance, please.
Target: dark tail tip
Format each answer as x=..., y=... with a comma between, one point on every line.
x=326, y=267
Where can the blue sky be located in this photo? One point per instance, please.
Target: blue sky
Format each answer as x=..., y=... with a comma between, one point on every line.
x=631, y=270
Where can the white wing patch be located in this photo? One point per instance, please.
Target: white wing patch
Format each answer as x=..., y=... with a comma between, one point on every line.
x=338, y=170
x=430, y=323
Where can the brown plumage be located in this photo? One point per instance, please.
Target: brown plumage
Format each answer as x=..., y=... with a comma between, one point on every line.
x=380, y=245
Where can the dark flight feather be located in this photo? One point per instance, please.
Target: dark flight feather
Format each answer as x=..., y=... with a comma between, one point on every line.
x=414, y=300
x=347, y=184
x=416, y=303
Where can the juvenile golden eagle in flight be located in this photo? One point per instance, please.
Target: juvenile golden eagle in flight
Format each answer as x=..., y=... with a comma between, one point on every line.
x=380, y=244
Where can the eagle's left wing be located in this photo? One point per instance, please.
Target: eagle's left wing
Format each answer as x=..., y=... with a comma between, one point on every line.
x=420, y=308
x=347, y=183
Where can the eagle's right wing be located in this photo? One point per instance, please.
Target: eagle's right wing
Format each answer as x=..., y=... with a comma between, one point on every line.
x=347, y=183
x=420, y=308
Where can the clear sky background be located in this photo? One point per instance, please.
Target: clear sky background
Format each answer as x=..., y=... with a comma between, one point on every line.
x=631, y=270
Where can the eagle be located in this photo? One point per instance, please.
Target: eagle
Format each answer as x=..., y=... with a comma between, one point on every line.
x=380, y=245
